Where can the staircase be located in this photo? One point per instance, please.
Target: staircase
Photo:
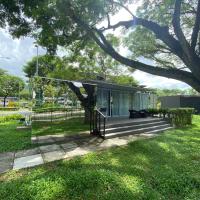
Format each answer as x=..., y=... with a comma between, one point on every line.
x=147, y=126
x=115, y=127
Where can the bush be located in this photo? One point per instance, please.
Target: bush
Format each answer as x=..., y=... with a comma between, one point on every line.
x=8, y=108
x=49, y=109
x=12, y=104
x=7, y=118
x=181, y=117
x=153, y=111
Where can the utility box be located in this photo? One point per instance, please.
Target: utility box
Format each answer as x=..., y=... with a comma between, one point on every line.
x=181, y=101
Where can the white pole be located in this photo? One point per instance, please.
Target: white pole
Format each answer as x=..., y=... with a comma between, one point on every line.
x=36, y=73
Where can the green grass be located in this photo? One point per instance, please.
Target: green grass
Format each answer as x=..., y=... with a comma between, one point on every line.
x=68, y=127
x=166, y=167
x=12, y=139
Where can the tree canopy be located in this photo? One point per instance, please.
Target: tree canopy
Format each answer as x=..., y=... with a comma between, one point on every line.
x=82, y=66
x=166, y=32
x=10, y=86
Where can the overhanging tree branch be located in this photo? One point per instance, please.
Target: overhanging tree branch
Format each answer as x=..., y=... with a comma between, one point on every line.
x=107, y=47
x=177, y=28
x=196, y=28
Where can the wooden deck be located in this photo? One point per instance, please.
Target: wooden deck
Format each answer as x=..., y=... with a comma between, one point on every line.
x=124, y=120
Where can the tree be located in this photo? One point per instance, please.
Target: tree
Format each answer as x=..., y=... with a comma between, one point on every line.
x=10, y=86
x=2, y=72
x=47, y=64
x=169, y=28
x=75, y=67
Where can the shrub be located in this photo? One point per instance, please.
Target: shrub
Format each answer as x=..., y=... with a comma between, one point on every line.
x=181, y=117
x=7, y=118
x=12, y=104
x=153, y=111
x=49, y=109
x=163, y=111
x=8, y=108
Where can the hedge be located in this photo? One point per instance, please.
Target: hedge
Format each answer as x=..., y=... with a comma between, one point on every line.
x=9, y=108
x=179, y=117
x=54, y=109
x=7, y=118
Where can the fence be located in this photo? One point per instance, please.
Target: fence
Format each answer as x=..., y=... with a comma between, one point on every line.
x=56, y=114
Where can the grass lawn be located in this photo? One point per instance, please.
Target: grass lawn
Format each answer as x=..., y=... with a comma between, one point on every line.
x=166, y=167
x=68, y=127
x=12, y=139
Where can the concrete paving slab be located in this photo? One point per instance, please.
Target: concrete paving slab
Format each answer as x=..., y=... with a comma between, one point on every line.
x=59, y=139
x=69, y=145
x=45, y=141
x=118, y=141
x=28, y=161
x=106, y=144
x=53, y=155
x=28, y=152
x=49, y=148
x=34, y=139
x=6, y=165
x=7, y=156
x=76, y=152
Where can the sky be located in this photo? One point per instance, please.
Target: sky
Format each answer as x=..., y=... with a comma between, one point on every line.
x=15, y=53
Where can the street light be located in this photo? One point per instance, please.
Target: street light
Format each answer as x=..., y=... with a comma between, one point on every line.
x=36, y=73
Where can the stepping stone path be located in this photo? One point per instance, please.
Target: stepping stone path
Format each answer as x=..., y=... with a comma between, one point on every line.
x=48, y=153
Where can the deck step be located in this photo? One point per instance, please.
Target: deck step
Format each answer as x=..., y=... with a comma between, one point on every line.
x=119, y=134
x=144, y=121
x=133, y=126
x=146, y=127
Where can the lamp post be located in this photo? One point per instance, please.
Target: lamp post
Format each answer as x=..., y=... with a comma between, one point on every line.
x=36, y=72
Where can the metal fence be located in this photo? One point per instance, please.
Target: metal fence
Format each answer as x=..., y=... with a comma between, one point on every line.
x=57, y=114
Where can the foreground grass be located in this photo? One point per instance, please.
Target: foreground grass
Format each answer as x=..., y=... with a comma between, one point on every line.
x=12, y=139
x=166, y=167
x=68, y=127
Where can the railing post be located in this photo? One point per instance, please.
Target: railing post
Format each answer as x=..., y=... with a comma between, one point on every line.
x=104, y=126
x=99, y=123
x=90, y=121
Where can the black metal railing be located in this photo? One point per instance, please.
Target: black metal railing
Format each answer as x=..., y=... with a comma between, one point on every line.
x=56, y=114
x=97, y=123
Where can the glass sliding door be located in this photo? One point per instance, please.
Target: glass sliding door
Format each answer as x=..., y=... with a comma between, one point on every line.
x=106, y=101
x=115, y=103
x=124, y=104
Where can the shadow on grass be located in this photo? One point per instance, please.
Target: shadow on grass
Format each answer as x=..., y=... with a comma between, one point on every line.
x=166, y=167
x=12, y=139
x=67, y=127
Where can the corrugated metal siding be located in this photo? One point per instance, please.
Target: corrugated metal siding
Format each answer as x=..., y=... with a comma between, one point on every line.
x=191, y=102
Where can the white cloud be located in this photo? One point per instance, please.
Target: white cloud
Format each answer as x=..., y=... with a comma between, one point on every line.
x=19, y=51
x=153, y=81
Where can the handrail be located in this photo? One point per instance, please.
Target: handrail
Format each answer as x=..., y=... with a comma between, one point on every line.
x=96, y=123
x=100, y=113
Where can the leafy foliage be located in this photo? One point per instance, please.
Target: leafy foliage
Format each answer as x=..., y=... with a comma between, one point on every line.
x=181, y=116
x=8, y=118
x=10, y=86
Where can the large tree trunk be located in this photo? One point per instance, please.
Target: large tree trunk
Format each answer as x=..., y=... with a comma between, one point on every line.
x=87, y=115
x=87, y=102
